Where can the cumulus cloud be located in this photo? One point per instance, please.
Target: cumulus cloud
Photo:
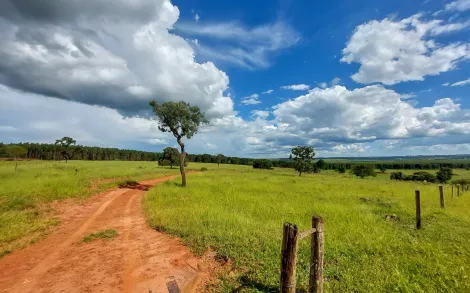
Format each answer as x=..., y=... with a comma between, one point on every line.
x=462, y=83
x=267, y=92
x=117, y=54
x=459, y=5
x=251, y=100
x=240, y=45
x=392, y=51
x=296, y=87
x=260, y=114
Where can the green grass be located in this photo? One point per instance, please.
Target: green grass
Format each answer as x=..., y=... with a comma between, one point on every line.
x=239, y=212
x=24, y=195
x=105, y=234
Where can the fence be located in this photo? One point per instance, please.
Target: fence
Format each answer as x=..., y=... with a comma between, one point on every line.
x=460, y=191
x=291, y=237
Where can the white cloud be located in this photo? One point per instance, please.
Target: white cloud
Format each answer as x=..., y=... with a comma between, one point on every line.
x=323, y=85
x=237, y=44
x=260, y=114
x=296, y=87
x=446, y=84
x=196, y=17
x=251, y=100
x=350, y=148
x=462, y=83
x=392, y=51
x=335, y=81
x=459, y=5
x=267, y=92
x=118, y=55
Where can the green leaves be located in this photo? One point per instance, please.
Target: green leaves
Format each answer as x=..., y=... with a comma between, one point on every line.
x=303, y=156
x=179, y=118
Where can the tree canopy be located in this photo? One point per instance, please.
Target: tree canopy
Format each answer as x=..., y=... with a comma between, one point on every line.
x=363, y=170
x=65, y=144
x=303, y=156
x=15, y=151
x=170, y=157
x=180, y=119
x=444, y=174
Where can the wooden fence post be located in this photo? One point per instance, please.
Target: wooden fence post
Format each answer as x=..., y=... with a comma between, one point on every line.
x=316, y=260
x=441, y=193
x=288, y=258
x=458, y=190
x=418, y=210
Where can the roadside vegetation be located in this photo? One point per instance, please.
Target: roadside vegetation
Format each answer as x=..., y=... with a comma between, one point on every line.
x=371, y=241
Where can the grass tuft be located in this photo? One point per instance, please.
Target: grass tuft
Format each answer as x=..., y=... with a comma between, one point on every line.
x=106, y=234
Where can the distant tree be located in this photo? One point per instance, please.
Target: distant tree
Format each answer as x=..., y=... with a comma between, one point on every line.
x=220, y=157
x=262, y=164
x=363, y=171
x=15, y=151
x=170, y=157
x=341, y=169
x=303, y=156
x=321, y=164
x=290, y=157
x=182, y=120
x=382, y=169
x=64, y=144
x=3, y=151
x=444, y=174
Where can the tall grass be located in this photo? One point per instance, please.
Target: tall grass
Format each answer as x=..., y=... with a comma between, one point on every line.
x=240, y=213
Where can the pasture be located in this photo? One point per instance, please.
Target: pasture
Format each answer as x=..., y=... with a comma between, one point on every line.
x=239, y=211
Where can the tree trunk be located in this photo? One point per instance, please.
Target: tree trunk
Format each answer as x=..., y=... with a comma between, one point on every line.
x=182, y=157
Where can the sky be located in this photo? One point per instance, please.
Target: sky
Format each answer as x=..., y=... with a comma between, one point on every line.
x=350, y=78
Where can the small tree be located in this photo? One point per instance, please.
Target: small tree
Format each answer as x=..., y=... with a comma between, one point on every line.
x=65, y=144
x=303, y=156
x=15, y=151
x=382, y=169
x=263, y=164
x=182, y=120
x=170, y=155
x=363, y=171
x=220, y=157
x=444, y=174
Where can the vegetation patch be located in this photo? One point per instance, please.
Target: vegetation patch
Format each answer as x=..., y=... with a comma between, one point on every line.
x=106, y=234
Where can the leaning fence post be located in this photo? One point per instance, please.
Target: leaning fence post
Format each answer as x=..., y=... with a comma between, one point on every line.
x=418, y=210
x=441, y=192
x=288, y=258
x=316, y=258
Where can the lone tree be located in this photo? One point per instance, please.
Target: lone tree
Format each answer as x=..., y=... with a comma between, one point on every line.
x=170, y=155
x=382, y=169
x=303, y=156
x=65, y=143
x=220, y=157
x=321, y=164
x=182, y=120
x=363, y=171
x=444, y=174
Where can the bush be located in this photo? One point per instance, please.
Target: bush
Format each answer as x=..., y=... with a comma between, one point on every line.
x=461, y=181
x=363, y=171
x=421, y=176
x=341, y=169
x=444, y=174
x=396, y=176
x=262, y=164
x=203, y=169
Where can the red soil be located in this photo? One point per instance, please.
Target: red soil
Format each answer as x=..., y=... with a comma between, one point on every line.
x=140, y=259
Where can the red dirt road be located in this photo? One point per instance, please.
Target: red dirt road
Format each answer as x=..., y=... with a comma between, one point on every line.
x=140, y=259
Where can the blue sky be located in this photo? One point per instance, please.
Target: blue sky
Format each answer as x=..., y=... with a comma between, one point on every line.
x=351, y=78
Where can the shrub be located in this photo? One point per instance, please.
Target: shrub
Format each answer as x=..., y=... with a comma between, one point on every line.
x=396, y=176
x=444, y=174
x=203, y=169
x=262, y=164
x=461, y=181
x=363, y=171
x=341, y=169
x=421, y=176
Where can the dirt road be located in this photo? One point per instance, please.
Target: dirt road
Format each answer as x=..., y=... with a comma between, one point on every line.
x=140, y=259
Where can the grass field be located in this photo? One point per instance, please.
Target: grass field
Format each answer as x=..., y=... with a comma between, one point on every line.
x=24, y=193
x=239, y=211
